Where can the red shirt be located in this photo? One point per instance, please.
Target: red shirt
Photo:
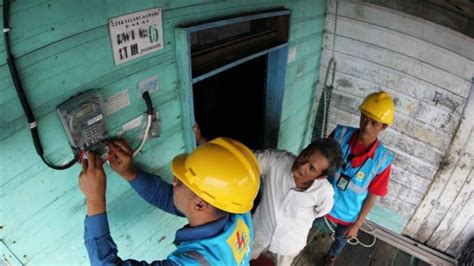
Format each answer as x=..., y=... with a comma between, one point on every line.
x=379, y=185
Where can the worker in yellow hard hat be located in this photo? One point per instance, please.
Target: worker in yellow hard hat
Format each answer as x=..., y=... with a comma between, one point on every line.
x=365, y=173
x=214, y=188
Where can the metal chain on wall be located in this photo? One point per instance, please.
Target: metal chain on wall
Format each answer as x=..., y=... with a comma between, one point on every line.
x=322, y=113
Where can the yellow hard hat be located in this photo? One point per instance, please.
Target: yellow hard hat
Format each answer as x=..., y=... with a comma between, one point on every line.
x=223, y=172
x=379, y=106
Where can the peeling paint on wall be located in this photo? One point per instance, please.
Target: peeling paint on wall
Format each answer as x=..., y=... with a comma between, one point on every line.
x=428, y=80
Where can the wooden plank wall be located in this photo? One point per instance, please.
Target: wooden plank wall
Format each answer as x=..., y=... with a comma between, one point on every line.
x=427, y=69
x=62, y=48
x=445, y=217
x=305, y=47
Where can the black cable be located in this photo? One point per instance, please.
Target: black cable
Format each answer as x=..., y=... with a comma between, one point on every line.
x=21, y=94
x=6, y=29
x=149, y=105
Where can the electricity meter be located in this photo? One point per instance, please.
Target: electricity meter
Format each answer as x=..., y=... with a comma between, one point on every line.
x=83, y=119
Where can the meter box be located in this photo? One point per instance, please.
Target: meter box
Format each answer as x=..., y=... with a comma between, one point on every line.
x=83, y=119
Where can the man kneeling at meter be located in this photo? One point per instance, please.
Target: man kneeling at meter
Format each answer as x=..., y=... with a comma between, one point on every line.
x=214, y=188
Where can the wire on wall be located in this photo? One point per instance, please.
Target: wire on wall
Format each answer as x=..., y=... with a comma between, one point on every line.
x=21, y=94
x=149, y=108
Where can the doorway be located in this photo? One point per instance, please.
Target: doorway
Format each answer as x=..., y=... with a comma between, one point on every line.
x=232, y=74
x=232, y=103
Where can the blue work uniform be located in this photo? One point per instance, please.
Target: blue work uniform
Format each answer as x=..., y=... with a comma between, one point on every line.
x=226, y=241
x=351, y=184
x=351, y=192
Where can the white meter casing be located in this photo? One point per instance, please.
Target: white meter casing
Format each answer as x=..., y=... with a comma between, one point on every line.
x=83, y=119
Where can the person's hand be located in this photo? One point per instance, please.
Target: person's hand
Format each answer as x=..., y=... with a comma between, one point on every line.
x=352, y=230
x=92, y=183
x=121, y=159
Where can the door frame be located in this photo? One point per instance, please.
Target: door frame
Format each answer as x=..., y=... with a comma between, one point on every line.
x=274, y=81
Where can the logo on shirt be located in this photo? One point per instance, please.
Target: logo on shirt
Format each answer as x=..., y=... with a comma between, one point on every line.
x=239, y=240
x=360, y=175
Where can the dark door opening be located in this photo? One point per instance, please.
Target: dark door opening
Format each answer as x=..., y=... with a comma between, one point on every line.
x=232, y=103
x=233, y=75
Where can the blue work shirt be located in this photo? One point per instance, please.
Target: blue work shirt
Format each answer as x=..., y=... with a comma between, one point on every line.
x=195, y=245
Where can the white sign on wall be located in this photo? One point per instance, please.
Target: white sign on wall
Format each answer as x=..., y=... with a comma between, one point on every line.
x=136, y=34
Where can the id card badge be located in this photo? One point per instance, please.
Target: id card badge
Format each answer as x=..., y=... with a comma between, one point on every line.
x=343, y=182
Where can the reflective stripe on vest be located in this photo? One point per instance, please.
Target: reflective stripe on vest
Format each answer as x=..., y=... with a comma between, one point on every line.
x=197, y=257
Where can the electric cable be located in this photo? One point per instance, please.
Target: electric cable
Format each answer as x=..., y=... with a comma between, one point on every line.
x=21, y=94
x=353, y=240
x=149, y=107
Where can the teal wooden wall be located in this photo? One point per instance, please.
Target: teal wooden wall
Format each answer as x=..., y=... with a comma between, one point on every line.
x=62, y=48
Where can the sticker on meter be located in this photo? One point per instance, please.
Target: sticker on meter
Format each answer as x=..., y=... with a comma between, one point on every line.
x=94, y=119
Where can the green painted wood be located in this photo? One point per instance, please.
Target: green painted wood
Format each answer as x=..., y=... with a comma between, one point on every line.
x=84, y=38
x=51, y=21
x=60, y=61
x=70, y=204
x=45, y=210
x=305, y=9
x=306, y=45
x=299, y=92
x=298, y=95
x=7, y=257
x=51, y=126
x=185, y=86
x=300, y=110
x=20, y=189
x=292, y=130
x=171, y=20
x=169, y=111
x=165, y=82
x=388, y=218
x=300, y=83
x=302, y=66
x=307, y=27
x=80, y=65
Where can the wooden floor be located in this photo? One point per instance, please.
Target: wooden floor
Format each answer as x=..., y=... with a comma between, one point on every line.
x=319, y=242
